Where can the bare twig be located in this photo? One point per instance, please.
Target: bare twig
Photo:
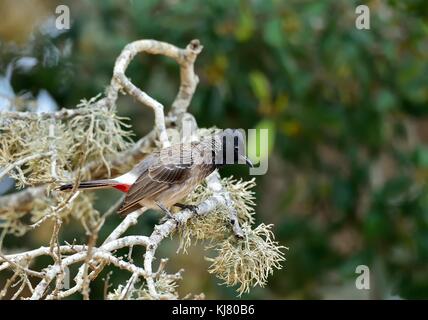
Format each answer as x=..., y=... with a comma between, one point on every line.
x=23, y=269
x=129, y=286
x=184, y=57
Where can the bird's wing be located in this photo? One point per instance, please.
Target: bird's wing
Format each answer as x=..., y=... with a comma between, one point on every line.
x=159, y=176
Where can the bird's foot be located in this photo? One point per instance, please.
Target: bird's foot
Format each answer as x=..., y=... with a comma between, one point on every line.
x=191, y=207
x=167, y=213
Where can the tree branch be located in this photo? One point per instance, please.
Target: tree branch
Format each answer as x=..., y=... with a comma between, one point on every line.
x=95, y=258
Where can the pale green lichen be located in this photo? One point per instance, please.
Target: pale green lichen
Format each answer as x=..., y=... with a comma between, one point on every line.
x=80, y=209
x=95, y=132
x=215, y=226
x=245, y=262
x=91, y=135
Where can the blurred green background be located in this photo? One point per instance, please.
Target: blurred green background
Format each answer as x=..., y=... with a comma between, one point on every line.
x=347, y=110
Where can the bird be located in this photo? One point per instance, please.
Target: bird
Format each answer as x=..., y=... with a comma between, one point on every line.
x=165, y=177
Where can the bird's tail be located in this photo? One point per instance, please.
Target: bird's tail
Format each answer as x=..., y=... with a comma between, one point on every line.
x=94, y=184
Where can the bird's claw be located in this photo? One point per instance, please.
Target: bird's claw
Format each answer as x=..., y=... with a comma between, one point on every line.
x=168, y=213
x=191, y=207
x=173, y=217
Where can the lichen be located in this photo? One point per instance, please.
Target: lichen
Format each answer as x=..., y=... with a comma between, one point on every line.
x=95, y=134
x=245, y=262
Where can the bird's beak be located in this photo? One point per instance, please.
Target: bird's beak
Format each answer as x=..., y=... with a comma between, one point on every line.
x=248, y=161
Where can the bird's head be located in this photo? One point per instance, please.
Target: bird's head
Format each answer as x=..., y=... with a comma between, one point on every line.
x=231, y=148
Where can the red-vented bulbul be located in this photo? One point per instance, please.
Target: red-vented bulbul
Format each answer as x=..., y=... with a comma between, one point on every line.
x=167, y=176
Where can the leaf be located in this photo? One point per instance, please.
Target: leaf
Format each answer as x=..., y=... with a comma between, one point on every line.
x=385, y=100
x=260, y=145
x=260, y=85
x=421, y=157
x=246, y=27
x=273, y=34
